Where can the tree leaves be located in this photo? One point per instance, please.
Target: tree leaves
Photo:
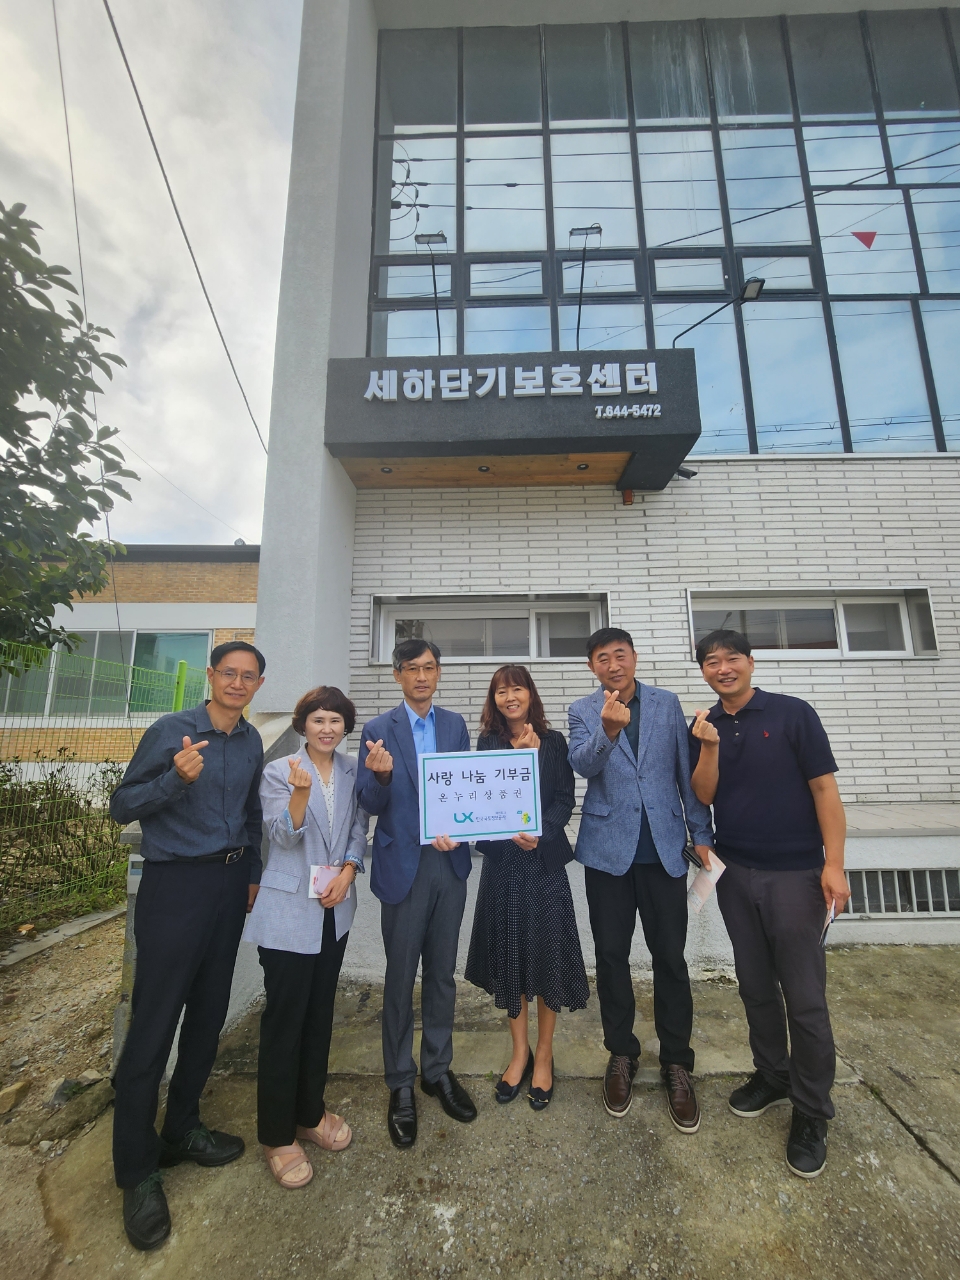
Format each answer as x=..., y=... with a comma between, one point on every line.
x=58, y=467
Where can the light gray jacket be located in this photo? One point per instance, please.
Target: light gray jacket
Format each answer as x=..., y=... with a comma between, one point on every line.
x=284, y=916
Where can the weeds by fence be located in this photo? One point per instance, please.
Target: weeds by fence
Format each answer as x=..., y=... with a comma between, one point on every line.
x=68, y=724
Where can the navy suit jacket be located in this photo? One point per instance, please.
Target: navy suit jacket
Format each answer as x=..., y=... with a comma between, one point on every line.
x=396, y=840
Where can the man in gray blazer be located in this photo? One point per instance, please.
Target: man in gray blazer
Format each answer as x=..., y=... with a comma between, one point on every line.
x=629, y=740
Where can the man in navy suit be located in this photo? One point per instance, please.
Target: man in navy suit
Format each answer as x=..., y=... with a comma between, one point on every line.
x=422, y=890
x=629, y=740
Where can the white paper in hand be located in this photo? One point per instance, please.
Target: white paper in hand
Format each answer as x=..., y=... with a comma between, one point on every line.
x=320, y=877
x=703, y=884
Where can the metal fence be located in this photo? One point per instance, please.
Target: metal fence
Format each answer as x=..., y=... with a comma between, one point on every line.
x=68, y=724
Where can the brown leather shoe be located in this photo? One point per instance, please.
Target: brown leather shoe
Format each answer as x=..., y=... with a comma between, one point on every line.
x=681, y=1099
x=618, y=1084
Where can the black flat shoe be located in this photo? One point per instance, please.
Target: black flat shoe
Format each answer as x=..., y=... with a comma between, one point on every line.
x=146, y=1218
x=454, y=1098
x=402, y=1117
x=507, y=1092
x=207, y=1147
x=539, y=1099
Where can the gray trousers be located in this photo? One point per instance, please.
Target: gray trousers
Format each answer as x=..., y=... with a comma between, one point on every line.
x=774, y=919
x=425, y=925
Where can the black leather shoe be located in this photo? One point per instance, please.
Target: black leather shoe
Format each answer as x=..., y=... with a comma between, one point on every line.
x=146, y=1218
x=402, y=1117
x=507, y=1092
x=538, y=1098
x=207, y=1147
x=454, y=1098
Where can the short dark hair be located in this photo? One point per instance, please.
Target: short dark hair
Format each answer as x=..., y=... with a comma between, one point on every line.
x=326, y=697
x=735, y=641
x=407, y=650
x=607, y=635
x=237, y=646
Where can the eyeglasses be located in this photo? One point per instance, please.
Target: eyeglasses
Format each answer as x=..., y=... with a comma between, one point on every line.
x=229, y=675
x=427, y=669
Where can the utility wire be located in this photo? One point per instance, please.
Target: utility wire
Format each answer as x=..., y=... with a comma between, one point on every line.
x=86, y=317
x=189, y=496
x=183, y=229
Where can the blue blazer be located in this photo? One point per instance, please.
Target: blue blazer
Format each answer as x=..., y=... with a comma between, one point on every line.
x=396, y=840
x=659, y=779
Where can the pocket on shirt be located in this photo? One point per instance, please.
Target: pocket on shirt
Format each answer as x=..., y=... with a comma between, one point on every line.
x=282, y=880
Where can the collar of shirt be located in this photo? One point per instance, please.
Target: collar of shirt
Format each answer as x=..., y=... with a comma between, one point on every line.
x=424, y=729
x=757, y=703
x=205, y=725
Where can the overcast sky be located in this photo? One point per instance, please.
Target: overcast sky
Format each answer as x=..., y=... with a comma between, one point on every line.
x=218, y=79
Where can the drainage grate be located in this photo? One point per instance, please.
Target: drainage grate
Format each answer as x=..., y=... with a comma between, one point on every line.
x=903, y=893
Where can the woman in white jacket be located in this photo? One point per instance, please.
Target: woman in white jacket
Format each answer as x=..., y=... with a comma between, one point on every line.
x=318, y=837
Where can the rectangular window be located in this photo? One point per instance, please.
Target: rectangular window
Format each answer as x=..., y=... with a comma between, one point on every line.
x=830, y=66
x=593, y=182
x=749, y=70
x=831, y=625
x=603, y=327
x=941, y=324
x=844, y=155
x=413, y=333
x=764, y=190
x=415, y=281
x=669, y=72
x=722, y=416
x=503, y=195
x=913, y=62
x=925, y=151
x=586, y=84
x=501, y=77
x=690, y=275
x=490, y=629
x=502, y=279
x=937, y=214
x=418, y=81
x=416, y=193
x=778, y=273
x=866, y=242
x=599, y=276
x=507, y=329
x=678, y=179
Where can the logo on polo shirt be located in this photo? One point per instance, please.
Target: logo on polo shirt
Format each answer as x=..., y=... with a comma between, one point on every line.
x=765, y=734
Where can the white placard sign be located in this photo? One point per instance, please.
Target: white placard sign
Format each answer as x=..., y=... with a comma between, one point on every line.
x=479, y=795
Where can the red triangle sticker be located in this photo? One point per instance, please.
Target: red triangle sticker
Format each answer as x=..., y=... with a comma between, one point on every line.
x=865, y=237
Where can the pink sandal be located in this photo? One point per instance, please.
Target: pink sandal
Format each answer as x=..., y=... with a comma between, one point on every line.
x=289, y=1165
x=331, y=1134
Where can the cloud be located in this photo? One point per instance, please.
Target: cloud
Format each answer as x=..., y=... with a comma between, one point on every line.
x=218, y=81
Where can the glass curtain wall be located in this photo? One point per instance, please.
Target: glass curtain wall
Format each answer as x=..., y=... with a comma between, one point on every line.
x=819, y=153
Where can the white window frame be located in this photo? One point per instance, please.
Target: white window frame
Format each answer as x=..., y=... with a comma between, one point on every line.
x=387, y=608
x=812, y=598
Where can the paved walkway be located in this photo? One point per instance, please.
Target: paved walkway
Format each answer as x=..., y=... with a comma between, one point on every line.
x=572, y=1191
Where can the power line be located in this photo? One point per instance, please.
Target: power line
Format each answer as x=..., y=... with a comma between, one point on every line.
x=177, y=487
x=183, y=229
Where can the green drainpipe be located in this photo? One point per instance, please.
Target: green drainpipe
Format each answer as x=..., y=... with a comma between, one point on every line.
x=180, y=688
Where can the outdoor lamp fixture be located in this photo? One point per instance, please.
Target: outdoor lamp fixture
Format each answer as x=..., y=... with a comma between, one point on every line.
x=750, y=292
x=594, y=229
x=431, y=238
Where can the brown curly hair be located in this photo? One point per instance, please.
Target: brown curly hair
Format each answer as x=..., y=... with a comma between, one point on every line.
x=492, y=719
x=326, y=697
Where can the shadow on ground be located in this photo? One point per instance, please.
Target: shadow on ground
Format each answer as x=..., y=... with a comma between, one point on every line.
x=569, y=1192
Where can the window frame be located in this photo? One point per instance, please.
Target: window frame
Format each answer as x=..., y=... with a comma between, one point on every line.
x=386, y=608
x=821, y=598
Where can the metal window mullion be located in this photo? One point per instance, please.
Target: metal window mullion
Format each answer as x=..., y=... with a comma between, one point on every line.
x=644, y=281
x=550, y=280
x=875, y=94
x=951, y=47
x=729, y=245
x=927, y=366
x=915, y=241
x=820, y=275
x=459, y=283
x=374, y=266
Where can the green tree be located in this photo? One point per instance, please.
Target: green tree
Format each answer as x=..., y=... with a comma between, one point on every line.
x=58, y=469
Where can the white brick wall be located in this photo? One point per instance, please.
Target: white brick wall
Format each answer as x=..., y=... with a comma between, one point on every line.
x=827, y=522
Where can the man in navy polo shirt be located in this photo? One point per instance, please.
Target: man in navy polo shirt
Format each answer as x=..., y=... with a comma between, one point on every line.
x=764, y=762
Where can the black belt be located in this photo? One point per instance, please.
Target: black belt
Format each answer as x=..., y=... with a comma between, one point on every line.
x=225, y=855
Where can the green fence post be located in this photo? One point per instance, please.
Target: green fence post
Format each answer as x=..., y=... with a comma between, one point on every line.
x=180, y=688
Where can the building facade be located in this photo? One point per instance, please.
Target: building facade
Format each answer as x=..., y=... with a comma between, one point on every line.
x=512, y=201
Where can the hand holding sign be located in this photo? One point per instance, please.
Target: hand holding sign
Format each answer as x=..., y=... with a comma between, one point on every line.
x=615, y=714
x=189, y=762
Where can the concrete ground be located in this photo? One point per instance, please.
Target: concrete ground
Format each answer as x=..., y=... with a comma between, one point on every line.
x=567, y=1192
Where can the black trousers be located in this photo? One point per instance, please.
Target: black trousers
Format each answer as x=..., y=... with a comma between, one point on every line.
x=774, y=919
x=661, y=900
x=187, y=923
x=295, y=1030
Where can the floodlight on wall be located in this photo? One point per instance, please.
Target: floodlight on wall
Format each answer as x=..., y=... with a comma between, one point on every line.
x=750, y=292
x=594, y=229
x=431, y=239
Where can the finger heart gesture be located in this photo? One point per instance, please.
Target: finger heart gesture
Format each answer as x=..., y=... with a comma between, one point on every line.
x=299, y=778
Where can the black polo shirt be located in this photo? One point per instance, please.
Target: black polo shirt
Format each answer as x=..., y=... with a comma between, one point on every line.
x=763, y=812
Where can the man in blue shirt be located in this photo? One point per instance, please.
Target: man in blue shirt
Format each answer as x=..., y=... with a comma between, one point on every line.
x=422, y=890
x=764, y=762
x=193, y=785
